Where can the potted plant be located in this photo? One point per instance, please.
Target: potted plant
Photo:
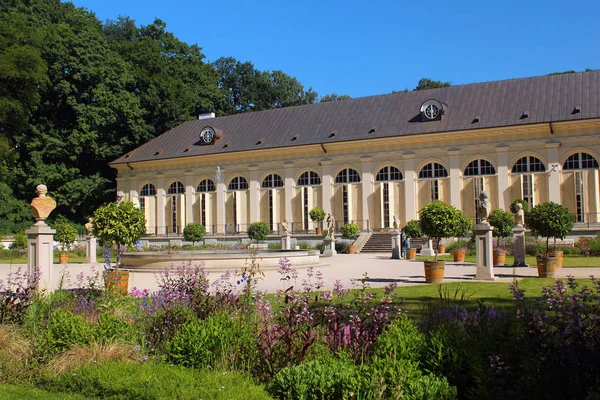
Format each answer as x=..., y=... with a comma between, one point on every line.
x=502, y=221
x=462, y=228
x=258, y=231
x=412, y=230
x=118, y=224
x=317, y=215
x=350, y=231
x=549, y=220
x=65, y=235
x=438, y=220
x=194, y=232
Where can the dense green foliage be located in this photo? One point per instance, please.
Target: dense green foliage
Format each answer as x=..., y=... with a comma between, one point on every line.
x=119, y=224
x=550, y=220
x=439, y=220
x=194, y=232
x=19, y=241
x=502, y=221
x=258, y=231
x=413, y=229
x=317, y=214
x=65, y=234
x=350, y=231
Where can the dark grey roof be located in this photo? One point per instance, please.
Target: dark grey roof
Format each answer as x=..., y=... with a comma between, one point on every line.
x=501, y=103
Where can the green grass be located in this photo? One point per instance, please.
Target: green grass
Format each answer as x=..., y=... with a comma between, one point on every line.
x=11, y=392
x=568, y=261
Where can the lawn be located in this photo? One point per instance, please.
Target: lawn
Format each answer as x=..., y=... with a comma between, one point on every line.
x=568, y=261
x=10, y=392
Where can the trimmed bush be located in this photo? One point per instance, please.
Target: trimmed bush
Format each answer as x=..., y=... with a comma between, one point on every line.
x=65, y=234
x=194, y=232
x=502, y=222
x=258, y=231
x=317, y=214
x=350, y=231
x=413, y=229
x=550, y=220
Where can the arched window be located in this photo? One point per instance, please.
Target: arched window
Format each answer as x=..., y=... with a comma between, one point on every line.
x=272, y=181
x=148, y=190
x=347, y=175
x=309, y=178
x=389, y=173
x=207, y=185
x=238, y=183
x=434, y=171
x=480, y=167
x=176, y=188
x=528, y=164
x=580, y=161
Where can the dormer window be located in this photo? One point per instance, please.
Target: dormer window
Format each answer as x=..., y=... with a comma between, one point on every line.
x=209, y=135
x=432, y=110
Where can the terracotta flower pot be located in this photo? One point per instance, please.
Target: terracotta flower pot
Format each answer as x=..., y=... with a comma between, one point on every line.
x=434, y=271
x=459, y=256
x=559, y=257
x=63, y=258
x=117, y=280
x=499, y=258
x=318, y=230
x=351, y=249
x=411, y=254
x=441, y=249
x=546, y=266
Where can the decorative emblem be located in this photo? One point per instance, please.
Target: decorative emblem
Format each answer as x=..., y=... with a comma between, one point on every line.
x=207, y=134
x=432, y=110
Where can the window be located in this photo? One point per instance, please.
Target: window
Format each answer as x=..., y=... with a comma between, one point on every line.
x=579, y=196
x=389, y=173
x=142, y=203
x=386, y=205
x=176, y=188
x=527, y=188
x=207, y=185
x=309, y=178
x=305, y=205
x=238, y=183
x=528, y=164
x=479, y=167
x=477, y=189
x=435, y=190
x=270, y=194
x=580, y=161
x=272, y=181
x=433, y=170
x=347, y=175
x=345, y=203
x=148, y=190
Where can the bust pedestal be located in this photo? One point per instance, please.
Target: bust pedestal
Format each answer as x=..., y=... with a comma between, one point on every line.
x=396, y=245
x=329, y=247
x=286, y=241
x=519, y=250
x=485, y=252
x=40, y=253
x=428, y=251
x=90, y=250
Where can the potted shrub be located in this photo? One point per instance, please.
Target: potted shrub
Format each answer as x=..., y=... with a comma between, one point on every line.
x=118, y=224
x=412, y=230
x=502, y=222
x=65, y=235
x=438, y=220
x=350, y=231
x=317, y=215
x=194, y=232
x=258, y=231
x=549, y=220
x=462, y=228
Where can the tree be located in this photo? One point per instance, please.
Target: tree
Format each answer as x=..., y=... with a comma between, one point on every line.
x=413, y=229
x=426, y=83
x=350, y=231
x=258, y=231
x=194, y=232
x=65, y=234
x=317, y=214
x=439, y=220
x=334, y=97
x=502, y=221
x=550, y=220
x=118, y=224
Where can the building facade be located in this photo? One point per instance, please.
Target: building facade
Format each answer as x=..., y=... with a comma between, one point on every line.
x=367, y=160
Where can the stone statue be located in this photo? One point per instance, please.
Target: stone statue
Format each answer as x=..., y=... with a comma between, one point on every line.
x=42, y=205
x=330, y=227
x=395, y=223
x=89, y=227
x=285, y=226
x=519, y=215
x=484, y=207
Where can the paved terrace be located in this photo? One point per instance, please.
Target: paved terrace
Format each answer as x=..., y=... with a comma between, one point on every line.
x=380, y=269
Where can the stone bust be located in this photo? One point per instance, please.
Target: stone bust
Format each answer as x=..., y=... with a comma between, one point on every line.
x=395, y=223
x=519, y=215
x=484, y=207
x=330, y=223
x=285, y=226
x=89, y=227
x=42, y=205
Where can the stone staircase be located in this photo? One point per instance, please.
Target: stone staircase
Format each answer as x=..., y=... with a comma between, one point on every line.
x=379, y=242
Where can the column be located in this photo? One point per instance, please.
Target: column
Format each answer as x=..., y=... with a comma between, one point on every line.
x=221, y=221
x=410, y=193
x=503, y=178
x=288, y=181
x=254, y=193
x=189, y=198
x=553, y=175
x=327, y=182
x=367, y=188
x=455, y=184
x=161, y=197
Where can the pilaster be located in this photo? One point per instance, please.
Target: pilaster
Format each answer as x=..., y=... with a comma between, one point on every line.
x=327, y=181
x=367, y=186
x=189, y=196
x=410, y=190
x=553, y=171
x=254, y=193
x=502, y=177
x=288, y=168
x=161, y=197
x=455, y=183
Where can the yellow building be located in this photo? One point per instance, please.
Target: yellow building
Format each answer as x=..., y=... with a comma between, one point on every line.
x=369, y=159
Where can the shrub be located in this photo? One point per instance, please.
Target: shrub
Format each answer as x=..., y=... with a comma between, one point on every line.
x=65, y=234
x=258, y=231
x=19, y=241
x=413, y=229
x=550, y=220
x=194, y=232
x=317, y=214
x=350, y=231
x=341, y=247
x=502, y=222
x=400, y=340
x=63, y=330
x=439, y=220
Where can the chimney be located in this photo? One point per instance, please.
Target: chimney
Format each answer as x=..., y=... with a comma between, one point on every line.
x=206, y=116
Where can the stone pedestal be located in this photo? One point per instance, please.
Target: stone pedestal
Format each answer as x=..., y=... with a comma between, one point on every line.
x=286, y=241
x=329, y=247
x=90, y=250
x=519, y=249
x=396, y=245
x=428, y=251
x=40, y=240
x=485, y=251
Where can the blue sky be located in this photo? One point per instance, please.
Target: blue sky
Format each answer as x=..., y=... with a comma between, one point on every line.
x=366, y=48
